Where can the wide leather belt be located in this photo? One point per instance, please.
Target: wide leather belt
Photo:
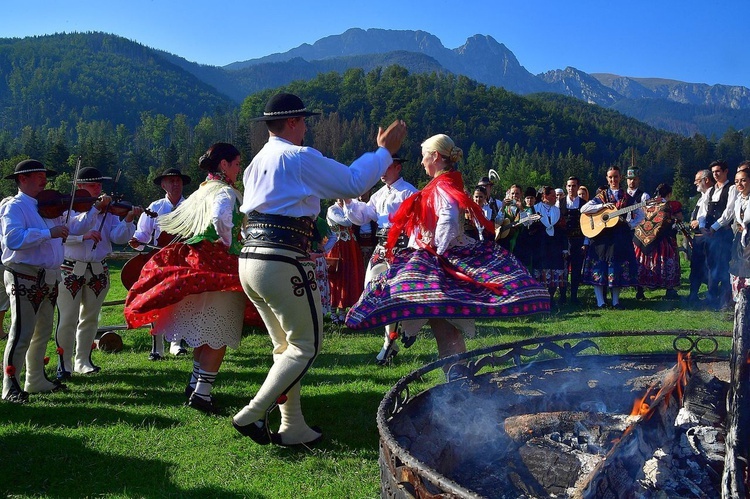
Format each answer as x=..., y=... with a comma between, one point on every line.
x=401, y=243
x=278, y=231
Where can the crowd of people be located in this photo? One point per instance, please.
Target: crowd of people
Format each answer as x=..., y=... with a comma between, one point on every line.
x=398, y=258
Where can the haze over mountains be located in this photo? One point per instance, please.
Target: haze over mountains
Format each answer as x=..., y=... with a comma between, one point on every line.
x=90, y=75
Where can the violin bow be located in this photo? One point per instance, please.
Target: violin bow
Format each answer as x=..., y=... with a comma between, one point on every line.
x=73, y=189
x=106, y=212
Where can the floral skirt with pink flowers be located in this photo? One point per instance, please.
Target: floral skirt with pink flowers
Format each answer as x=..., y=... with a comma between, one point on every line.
x=418, y=286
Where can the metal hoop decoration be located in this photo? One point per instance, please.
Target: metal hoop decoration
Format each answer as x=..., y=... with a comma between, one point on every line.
x=713, y=345
x=681, y=339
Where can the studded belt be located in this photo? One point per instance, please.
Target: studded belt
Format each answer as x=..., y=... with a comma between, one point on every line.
x=401, y=243
x=278, y=231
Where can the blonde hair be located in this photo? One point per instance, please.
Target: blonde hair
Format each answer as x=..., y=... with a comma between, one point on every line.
x=443, y=145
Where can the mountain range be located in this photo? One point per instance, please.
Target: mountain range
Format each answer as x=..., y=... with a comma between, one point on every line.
x=92, y=75
x=686, y=108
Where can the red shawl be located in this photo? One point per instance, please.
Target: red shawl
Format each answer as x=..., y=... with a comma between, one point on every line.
x=419, y=210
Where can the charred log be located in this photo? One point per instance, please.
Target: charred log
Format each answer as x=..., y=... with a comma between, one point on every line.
x=735, y=478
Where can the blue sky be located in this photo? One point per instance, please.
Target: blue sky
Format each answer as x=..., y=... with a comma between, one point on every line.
x=688, y=40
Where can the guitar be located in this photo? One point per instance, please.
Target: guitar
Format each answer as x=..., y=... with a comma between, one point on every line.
x=592, y=225
x=504, y=229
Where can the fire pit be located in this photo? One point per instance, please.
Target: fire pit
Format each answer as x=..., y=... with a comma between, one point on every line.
x=557, y=417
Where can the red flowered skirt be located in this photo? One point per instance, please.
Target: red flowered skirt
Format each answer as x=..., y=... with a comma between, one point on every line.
x=659, y=268
x=180, y=270
x=346, y=273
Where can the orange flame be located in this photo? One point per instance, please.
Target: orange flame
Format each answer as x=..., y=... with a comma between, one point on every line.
x=674, y=383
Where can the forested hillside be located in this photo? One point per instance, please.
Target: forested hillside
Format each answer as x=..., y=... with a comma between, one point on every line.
x=533, y=140
x=94, y=76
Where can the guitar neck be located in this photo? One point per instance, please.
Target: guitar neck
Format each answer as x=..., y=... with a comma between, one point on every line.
x=628, y=209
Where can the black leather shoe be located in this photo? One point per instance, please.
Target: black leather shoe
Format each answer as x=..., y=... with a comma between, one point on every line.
x=197, y=402
x=17, y=397
x=456, y=372
x=154, y=356
x=259, y=434
x=59, y=386
x=62, y=375
x=408, y=341
x=189, y=391
x=276, y=439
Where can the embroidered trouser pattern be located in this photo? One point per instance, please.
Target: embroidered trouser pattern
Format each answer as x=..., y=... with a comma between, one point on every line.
x=281, y=284
x=79, y=302
x=32, y=303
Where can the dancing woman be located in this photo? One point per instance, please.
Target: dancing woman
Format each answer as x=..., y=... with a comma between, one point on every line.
x=191, y=290
x=446, y=278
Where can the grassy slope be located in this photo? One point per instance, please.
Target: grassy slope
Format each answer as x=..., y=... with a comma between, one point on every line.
x=125, y=432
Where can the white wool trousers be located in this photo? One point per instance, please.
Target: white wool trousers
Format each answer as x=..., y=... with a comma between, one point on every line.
x=79, y=301
x=281, y=284
x=32, y=305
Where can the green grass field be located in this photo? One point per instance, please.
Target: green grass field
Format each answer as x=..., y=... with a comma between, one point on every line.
x=126, y=432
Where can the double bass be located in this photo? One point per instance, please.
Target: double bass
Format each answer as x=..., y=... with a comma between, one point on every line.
x=131, y=271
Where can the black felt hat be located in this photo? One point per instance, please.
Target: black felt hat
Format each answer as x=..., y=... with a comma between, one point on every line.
x=30, y=166
x=282, y=106
x=486, y=181
x=91, y=174
x=172, y=172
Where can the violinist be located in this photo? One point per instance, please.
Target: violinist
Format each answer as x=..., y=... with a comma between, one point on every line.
x=148, y=232
x=85, y=280
x=32, y=255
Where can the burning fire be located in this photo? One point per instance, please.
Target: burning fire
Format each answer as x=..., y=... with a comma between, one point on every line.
x=674, y=384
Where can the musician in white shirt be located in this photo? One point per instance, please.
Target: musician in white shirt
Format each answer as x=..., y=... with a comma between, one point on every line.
x=85, y=282
x=610, y=258
x=172, y=181
x=32, y=255
x=384, y=203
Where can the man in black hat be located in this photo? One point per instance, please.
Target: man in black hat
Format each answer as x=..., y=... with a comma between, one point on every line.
x=85, y=281
x=32, y=255
x=496, y=205
x=384, y=203
x=172, y=180
x=283, y=188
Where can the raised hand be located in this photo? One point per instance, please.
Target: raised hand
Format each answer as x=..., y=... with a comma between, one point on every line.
x=392, y=137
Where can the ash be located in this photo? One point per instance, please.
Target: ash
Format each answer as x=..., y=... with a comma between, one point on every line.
x=515, y=436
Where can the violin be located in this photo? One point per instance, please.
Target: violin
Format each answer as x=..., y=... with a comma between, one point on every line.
x=52, y=203
x=122, y=208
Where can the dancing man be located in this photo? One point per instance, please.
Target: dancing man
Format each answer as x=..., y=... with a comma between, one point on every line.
x=275, y=269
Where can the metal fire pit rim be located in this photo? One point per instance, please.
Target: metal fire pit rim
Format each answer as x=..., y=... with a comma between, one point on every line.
x=392, y=401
